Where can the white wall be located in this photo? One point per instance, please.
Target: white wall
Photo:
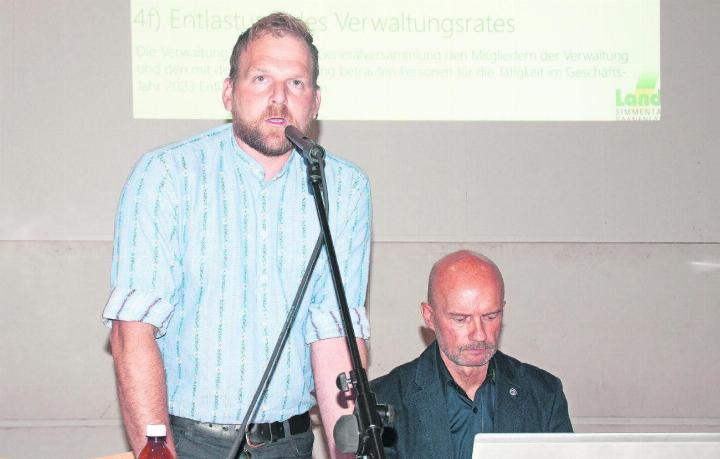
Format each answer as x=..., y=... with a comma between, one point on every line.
x=607, y=233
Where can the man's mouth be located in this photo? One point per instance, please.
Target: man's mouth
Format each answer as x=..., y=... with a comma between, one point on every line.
x=478, y=347
x=277, y=121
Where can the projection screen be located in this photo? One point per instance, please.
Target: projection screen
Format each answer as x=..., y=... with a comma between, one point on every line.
x=418, y=60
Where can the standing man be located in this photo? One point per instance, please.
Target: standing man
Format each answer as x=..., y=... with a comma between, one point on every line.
x=212, y=237
x=461, y=384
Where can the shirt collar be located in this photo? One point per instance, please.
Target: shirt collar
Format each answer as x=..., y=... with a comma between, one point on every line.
x=255, y=168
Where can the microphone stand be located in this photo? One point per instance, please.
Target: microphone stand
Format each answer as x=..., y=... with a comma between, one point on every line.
x=277, y=350
x=275, y=356
x=369, y=422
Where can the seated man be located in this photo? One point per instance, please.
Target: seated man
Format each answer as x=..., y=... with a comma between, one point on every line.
x=461, y=384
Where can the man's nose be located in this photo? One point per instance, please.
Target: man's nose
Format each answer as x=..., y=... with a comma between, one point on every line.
x=279, y=95
x=477, y=330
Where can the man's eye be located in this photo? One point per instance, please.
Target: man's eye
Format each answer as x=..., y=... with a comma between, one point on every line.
x=492, y=316
x=260, y=78
x=297, y=83
x=459, y=318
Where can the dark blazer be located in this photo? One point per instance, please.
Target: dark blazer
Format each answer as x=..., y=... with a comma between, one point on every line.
x=528, y=400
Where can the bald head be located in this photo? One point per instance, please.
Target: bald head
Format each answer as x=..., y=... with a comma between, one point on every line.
x=460, y=268
x=466, y=298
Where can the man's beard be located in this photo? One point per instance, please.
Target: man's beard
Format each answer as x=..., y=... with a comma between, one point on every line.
x=457, y=356
x=267, y=143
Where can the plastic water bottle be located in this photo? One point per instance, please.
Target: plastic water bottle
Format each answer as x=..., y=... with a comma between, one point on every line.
x=156, y=448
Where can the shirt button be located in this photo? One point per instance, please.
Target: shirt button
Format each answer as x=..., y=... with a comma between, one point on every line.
x=475, y=410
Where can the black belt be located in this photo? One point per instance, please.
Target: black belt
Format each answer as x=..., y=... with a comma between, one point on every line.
x=268, y=432
x=258, y=434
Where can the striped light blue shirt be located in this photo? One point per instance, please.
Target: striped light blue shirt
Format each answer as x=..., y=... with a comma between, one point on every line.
x=211, y=254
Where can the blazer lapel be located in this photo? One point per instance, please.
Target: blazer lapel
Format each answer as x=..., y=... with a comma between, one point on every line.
x=508, y=398
x=428, y=408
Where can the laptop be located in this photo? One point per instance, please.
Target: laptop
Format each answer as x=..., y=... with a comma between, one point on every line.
x=597, y=445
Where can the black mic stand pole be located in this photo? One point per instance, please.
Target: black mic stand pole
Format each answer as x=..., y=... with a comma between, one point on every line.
x=369, y=421
x=275, y=357
x=277, y=350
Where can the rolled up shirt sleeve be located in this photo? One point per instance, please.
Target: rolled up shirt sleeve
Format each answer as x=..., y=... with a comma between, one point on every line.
x=352, y=246
x=146, y=267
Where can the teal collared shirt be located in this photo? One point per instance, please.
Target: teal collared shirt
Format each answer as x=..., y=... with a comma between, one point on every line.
x=467, y=417
x=211, y=254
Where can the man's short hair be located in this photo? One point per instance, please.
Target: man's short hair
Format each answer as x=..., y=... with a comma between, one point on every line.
x=277, y=24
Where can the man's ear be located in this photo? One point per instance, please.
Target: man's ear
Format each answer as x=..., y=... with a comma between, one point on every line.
x=317, y=103
x=427, y=313
x=227, y=94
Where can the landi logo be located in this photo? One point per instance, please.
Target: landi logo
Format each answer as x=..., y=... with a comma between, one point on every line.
x=642, y=104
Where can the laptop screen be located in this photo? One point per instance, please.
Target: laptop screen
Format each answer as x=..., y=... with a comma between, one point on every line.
x=597, y=445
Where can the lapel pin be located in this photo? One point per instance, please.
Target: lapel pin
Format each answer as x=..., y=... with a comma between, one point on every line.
x=513, y=391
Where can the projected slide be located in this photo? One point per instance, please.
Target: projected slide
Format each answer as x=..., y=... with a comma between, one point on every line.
x=417, y=59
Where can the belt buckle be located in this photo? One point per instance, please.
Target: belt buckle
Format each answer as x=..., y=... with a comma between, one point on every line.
x=258, y=435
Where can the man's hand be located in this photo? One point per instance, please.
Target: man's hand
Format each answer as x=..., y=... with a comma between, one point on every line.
x=140, y=381
x=330, y=357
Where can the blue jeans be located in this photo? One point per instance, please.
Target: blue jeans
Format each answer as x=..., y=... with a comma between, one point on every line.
x=195, y=440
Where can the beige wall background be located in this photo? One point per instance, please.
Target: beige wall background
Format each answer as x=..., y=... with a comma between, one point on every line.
x=608, y=233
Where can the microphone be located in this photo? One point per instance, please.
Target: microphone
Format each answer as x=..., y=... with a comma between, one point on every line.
x=309, y=150
x=347, y=434
x=347, y=431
